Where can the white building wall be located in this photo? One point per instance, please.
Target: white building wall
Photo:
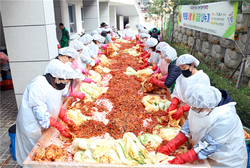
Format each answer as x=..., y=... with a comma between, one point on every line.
x=133, y=20
x=2, y=40
x=112, y=16
x=104, y=12
x=30, y=34
x=121, y=24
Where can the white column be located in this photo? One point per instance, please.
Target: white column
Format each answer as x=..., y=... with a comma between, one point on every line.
x=91, y=15
x=29, y=30
x=104, y=12
x=112, y=16
x=121, y=24
x=133, y=20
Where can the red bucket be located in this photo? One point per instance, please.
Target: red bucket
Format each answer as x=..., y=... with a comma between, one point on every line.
x=6, y=84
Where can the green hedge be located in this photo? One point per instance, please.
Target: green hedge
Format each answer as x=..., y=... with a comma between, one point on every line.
x=220, y=80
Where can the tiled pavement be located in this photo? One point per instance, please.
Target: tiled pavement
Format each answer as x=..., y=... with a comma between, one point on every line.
x=8, y=113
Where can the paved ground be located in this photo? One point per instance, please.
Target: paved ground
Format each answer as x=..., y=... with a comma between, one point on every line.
x=8, y=113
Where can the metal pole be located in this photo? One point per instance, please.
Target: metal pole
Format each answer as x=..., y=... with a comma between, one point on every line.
x=172, y=32
x=240, y=77
x=195, y=37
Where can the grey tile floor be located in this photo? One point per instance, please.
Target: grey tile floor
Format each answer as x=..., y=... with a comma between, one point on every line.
x=8, y=113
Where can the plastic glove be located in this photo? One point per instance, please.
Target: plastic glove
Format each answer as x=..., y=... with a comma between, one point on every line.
x=137, y=37
x=142, y=45
x=145, y=57
x=85, y=72
x=180, y=111
x=125, y=38
x=64, y=118
x=173, y=105
x=157, y=82
x=88, y=80
x=99, y=52
x=76, y=95
x=154, y=68
x=138, y=42
x=175, y=143
x=157, y=71
x=142, y=54
x=130, y=38
x=189, y=156
x=144, y=65
x=138, y=49
x=164, y=78
x=62, y=129
x=104, y=46
x=97, y=62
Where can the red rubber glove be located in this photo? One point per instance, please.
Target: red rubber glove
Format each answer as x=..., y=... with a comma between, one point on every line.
x=62, y=129
x=142, y=54
x=180, y=111
x=157, y=82
x=138, y=42
x=164, y=78
x=154, y=68
x=64, y=118
x=146, y=56
x=173, y=105
x=85, y=72
x=144, y=65
x=189, y=156
x=138, y=49
x=142, y=45
x=88, y=80
x=104, y=46
x=76, y=95
x=137, y=37
x=175, y=143
x=97, y=62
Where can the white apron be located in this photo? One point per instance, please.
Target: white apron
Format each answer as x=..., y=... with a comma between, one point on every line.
x=233, y=151
x=28, y=129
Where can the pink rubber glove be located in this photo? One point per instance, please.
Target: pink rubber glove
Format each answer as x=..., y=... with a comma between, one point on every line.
x=76, y=95
x=74, y=65
x=104, y=46
x=130, y=38
x=85, y=72
x=157, y=71
x=88, y=80
x=125, y=38
x=97, y=62
x=99, y=52
x=164, y=78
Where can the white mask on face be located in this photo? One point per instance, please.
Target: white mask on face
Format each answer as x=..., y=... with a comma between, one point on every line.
x=69, y=63
x=144, y=40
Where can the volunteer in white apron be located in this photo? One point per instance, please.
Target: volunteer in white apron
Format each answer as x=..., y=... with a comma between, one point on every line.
x=143, y=38
x=40, y=108
x=127, y=33
x=96, y=44
x=168, y=59
x=215, y=127
x=190, y=76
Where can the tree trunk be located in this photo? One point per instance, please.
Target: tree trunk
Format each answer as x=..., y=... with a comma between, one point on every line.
x=172, y=30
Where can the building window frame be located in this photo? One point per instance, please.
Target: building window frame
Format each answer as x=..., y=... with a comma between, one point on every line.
x=82, y=16
x=72, y=18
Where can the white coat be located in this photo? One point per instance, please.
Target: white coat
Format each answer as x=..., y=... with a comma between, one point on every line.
x=182, y=84
x=128, y=33
x=28, y=129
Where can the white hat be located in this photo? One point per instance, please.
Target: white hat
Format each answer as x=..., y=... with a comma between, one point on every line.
x=169, y=52
x=151, y=42
x=71, y=52
x=161, y=45
x=99, y=30
x=99, y=38
x=203, y=96
x=143, y=35
x=187, y=59
x=76, y=44
x=127, y=25
x=85, y=39
x=60, y=70
x=94, y=32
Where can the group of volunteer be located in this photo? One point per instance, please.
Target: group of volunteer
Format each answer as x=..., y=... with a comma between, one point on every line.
x=42, y=99
x=212, y=121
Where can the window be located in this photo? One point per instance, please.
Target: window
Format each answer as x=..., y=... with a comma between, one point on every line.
x=82, y=14
x=72, y=22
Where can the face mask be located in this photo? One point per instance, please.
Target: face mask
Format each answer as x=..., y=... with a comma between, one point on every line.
x=69, y=63
x=60, y=86
x=144, y=40
x=186, y=73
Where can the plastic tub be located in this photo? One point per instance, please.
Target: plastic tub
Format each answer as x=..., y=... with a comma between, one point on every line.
x=6, y=84
x=248, y=131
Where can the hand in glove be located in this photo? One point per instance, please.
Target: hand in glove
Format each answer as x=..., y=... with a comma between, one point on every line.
x=100, y=53
x=88, y=80
x=104, y=46
x=145, y=57
x=62, y=129
x=97, y=62
x=173, y=105
x=76, y=95
x=130, y=38
x=157, y=82
x=164, y=78
x=125, y=38
x=142, y=45
x=189, y=156
x=154, y=68
x=157, y=71
x=64, y=118
x=175, y=143
x=180, y=111
x=74, y=65
x=85, y=72
x=137, y=37
x=142, y=54
x=144, y=65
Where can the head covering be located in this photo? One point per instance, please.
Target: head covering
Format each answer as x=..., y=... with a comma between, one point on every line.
x=137, y=25
x=71, y=52
x=127, y=25
x=85, y=39
x=99, y=30
x=77, y=45
x=143, y=35
x=187, y=59
x=169, y=52
x=151, y=42
x=106, y=30
x=99, y=38
x=60, y=70
x=203, y=96
x=143, y=30
x=94, y=32
x=160, y=46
